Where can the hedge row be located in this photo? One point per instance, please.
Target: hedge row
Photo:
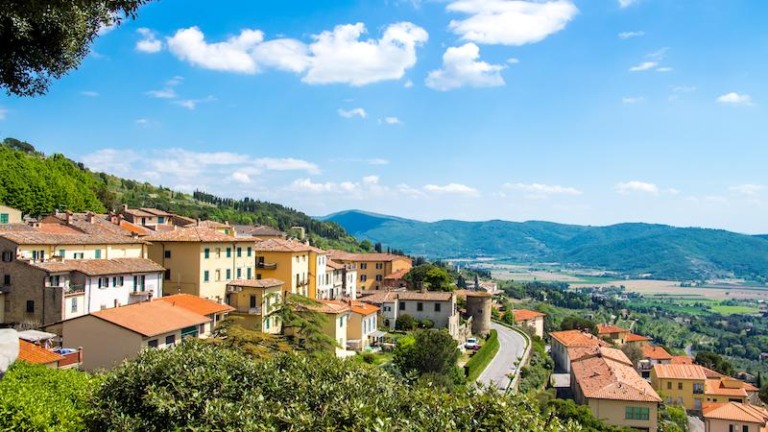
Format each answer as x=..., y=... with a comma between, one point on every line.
x=477, y=364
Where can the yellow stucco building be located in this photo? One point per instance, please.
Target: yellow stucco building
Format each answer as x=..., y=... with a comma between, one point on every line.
x=284, y=260
x=257, y=302
x=694, y=386
x=372, y=268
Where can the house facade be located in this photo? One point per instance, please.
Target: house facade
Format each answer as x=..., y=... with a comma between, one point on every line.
x=9, y=215
x=532, y=319
x=363, y=325
x=285, y=260
x=563, y=341
x=257, y=302
x=734, y=417
x=372, y=268
x=613, y=334
x=695, y=386
x=438, y=307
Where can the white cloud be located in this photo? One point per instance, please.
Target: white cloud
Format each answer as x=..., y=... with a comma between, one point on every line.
x=371, y=180
x=461, y=68
x=450, y=188
x=307, y=185
x=358, y=190
x=542, y=189
x=645, y=66
x=631, y=100
x=664, y=69
x=734, y=98
x=241, y=177
x=513, y=60
x=631, y=34
x=191, y=104
x=286, y=164
x=626, y=3
x=336, y=56
x=501, y=22
x=165, y=93
x=636, y=186
x=354, y=112
x=149, y=43
x=747, y=189
x=391, y=121
x=408, y=84
x=89, y=93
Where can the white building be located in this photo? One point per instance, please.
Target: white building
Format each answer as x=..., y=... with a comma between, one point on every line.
x=438, y=307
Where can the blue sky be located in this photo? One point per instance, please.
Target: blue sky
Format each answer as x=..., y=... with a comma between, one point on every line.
x=587, y=112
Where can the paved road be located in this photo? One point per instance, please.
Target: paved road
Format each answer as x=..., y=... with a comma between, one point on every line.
x=511, y=346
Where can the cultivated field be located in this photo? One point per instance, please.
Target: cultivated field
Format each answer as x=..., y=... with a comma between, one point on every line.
x=672, y=288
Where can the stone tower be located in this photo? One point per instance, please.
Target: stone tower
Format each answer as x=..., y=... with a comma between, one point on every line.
x=479, y=306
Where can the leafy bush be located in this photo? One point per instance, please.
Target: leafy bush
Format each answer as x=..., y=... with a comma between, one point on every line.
x=429, y=351
x=38, y=398
x=426, y=324
x=477, y=364
x=406, y=322
x=535, y=376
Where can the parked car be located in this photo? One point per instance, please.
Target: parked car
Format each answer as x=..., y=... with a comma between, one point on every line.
x=472, y=344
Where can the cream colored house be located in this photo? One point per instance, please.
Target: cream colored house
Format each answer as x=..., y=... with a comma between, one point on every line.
x=212, y=310
x=9, y=215
x=735, y=417
x=609, y=385
x=285, y=260
x=201, y=261
x=563, y=342
x=257, y=302
x=321, y=285
x=363, y=325
x=532, y=319
x=613, y=334
x=373, y=268
x=113, y=335
x=438, y=307
x=337, y=315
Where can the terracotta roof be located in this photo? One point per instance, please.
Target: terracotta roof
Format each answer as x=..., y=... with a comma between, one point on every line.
x=522, y=315
x=97, y=224
x=12, y=227
x=397, y=275
x=334, y=265
x=134, y=229
x=579, y=353
x=257, y=230
x=100, y=267
x=678, y=371
x=196, y=304
x=379, y=297
x=723, y=387
x=636, y=338
x=213, y=224
x=602, y=377
x=368, y=257
x=37, y=237
x=574, y=338
x=182, y=220
x=330, y=307
x=156, y=212
x=656, y=353
x=363, y=308
x=736, y=412
x=256, y=283
x=603, y=329
x=712, y=374
x=150, y=318
x=193, y=234
x=32, y=353
x=682, y=360
x=281, y=245
x=58, y=228
x=138, y=213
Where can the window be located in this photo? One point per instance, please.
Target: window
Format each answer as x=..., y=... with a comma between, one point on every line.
x=239, y=272
x=379, y=278
x=206, y=253
x=679, y=386
x=229, y=252
x=160, y=219
x=152, y=343
x=698, y=388
x=30, y=306
x=258, y=276
x=419, y=306
x=229, y=274
x=402, y=305
x=253, y=302
x=363, y=278
x=4, y=218
x=73, y=308
x=62, y=253
x=745, y=428
x=379, y=266
x=363, y=266
x=167, y=274
x=7, y=280
x=731, y=428
x=54, y=281
x=97, y=253
x=266, y=326
x=101, y=282
x=114, y=281
x=437, y=307
x=121, y=280
x=249, y=272
x=636, y=413
x=138, y=283
x=669, y=385
x=167, y=254
x=206, y=276
x=79, y=255
x=217, y=252
x=7, y=256
x=239, y=252
x=170, y=340
x=190, y=331
x=249, y=251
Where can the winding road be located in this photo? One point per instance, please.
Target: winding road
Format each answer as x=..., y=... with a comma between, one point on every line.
x=511, y=346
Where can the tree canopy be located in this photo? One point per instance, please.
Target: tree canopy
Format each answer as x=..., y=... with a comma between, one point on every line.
x=43, y=40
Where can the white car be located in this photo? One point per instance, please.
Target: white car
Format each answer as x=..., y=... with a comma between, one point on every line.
x=472, y=344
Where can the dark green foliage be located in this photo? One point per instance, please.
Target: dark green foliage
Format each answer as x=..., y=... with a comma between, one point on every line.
x=406, y=322
x=428, y=352
x=763, y=393
x=568, y=410
x=714, y=361
x=426, y=324
x=535, y=376
x=673, y=418
x=43, y=40
x=38, y=398
x=480, y=360
x=633, y=352
x=36, y=184
x=578, y=323
x=430, y=276
x=634, y=249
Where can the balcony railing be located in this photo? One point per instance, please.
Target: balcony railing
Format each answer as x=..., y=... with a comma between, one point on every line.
x=266, y=265
x=302, y=283
x=141, y=293
x=233, y=289
x=74, y=290
x=254, y=311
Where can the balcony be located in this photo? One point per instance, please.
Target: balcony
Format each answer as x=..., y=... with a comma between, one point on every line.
x=74, y=290
x=302, y=283
x=266, y=266
x=233, y=289
x=141, y=293
x=73, y=358
x=254, y=311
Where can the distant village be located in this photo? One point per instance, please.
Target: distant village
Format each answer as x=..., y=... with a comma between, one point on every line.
x=88, y=291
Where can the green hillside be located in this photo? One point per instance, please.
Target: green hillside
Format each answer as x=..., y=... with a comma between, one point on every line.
x=635, y=249
x=38, y=184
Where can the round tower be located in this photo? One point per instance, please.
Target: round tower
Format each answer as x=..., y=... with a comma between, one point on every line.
x=479, y=308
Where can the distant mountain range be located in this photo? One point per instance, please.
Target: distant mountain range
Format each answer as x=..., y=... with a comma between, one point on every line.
x=634, y=249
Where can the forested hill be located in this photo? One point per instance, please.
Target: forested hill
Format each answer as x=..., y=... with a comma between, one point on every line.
x=634, y=249
x=38, y=184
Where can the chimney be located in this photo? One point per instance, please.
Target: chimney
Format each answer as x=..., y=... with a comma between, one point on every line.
x=125, y=207
x=69, y=217
x=198, y=222
x=90, y=216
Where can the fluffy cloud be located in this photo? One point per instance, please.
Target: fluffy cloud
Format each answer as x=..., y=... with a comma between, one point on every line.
x=747, y=189
x=358, y=190
x=354, y=112
x=636, y=186
x=644, y=66
x=542, y=189
x=168, y=91
x=149, y=43
x=631, y=34
x=734, y=98
x=502, y=22
x=391, y=121
x=631, y=100
x=461, y=68
x=241, y=177
x=191, y=104
x=450, y=188
x=626, y=3
x=335, y=56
